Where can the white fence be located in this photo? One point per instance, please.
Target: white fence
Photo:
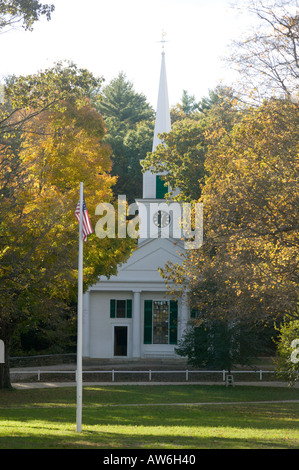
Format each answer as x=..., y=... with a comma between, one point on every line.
x=150, y=373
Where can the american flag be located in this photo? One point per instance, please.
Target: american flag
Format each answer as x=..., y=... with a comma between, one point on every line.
x=86, y=225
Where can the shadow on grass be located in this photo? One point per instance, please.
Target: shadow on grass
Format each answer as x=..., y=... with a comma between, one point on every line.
x=186, y=427
x=112, y=441
x=95, y=395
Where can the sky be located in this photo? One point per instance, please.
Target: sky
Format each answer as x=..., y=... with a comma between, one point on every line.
x=108, y=37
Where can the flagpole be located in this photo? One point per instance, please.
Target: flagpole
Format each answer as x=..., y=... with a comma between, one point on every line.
x=80, y=322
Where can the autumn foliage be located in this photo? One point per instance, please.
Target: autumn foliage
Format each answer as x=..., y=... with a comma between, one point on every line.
x=49, y=145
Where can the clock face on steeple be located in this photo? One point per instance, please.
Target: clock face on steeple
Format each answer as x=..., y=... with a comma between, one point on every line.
x=161, y=219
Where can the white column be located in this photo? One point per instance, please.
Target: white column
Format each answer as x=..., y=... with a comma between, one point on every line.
x=136, y=324
x=185, y=314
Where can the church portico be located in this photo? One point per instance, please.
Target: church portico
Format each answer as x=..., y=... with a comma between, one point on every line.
x=132, y=323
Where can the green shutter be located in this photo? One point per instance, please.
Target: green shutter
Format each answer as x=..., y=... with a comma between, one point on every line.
x=112, y=308
x=161, y=189
x=148, y=321
x=129, y=308
x=173, y=322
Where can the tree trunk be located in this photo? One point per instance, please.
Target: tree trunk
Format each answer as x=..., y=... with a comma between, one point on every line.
x=4, y=368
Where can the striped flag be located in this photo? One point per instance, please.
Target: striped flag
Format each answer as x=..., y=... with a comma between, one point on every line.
x=86, y=224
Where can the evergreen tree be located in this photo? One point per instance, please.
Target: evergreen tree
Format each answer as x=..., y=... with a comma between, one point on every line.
x=189, y=104
x=121, y=103
x=219, y=344
x=129, y=121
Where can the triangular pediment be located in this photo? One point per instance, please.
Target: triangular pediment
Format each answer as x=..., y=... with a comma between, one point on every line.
x=144, y=263
x=153, y=255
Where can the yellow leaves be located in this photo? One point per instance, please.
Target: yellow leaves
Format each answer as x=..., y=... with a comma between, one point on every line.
x=62, y=148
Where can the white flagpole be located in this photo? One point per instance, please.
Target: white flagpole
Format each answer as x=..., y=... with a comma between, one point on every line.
x=80, y=322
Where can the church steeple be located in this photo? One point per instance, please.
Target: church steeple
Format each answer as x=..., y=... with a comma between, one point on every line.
x=152, y=186
x=162, y=123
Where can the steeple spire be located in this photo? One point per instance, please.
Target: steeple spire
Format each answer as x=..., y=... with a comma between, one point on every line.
x=162, y=124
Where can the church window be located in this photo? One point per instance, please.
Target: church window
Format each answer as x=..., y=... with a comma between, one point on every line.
x=195, y=312
x=148, y=321
x=120, y=308
x=173, y=322
x=161, y=189
x=160, y=322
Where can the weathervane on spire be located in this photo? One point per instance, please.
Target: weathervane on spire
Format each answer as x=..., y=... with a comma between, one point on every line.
x=163, y=41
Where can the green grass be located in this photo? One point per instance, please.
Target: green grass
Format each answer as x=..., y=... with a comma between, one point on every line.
x=151, y=417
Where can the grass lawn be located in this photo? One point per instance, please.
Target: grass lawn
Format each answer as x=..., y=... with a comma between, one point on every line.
x=151, y=417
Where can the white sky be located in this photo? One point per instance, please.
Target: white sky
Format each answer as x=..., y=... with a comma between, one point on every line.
x=107, y=37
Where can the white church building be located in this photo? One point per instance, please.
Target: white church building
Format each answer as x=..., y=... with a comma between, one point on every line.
x=130, y=315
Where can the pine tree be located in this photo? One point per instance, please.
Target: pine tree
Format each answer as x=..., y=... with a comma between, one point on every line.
x=129, y=121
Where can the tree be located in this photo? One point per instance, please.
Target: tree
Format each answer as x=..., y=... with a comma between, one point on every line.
x=287, y=359
x=268, y=59
x=248, y=266
x=130, y=128
x=220, y=97
x=217, y=344
x=254, y=174
x=189, y=104
x=28, y=96
x=183, y=152
x=22, y=13
x=137, y=142
x=122, y=103
x=59, y=146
